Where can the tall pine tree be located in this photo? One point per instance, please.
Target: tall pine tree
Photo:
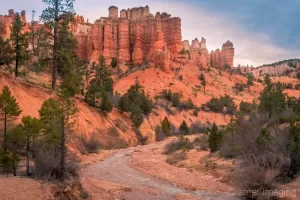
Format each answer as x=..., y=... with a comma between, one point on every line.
x=9, y=110
x=19, y=42
x=52, y=16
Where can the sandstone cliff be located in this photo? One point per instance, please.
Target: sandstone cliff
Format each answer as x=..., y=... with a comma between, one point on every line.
x=130, y=37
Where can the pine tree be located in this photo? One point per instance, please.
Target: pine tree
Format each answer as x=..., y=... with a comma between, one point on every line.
x=50, y=120
x=106, y=105
x=67, y=110
x=114, y=62
x=19, y=43
x=165, y=126
x=267, y=79
x=214, y=139
x=15, y=143
x=9, y=109
x=124, y=103
x=67, y=60
x=43, y=48
x=293, y=147
x=136, y=116
x=5, y=52
x=102, y=75
x=203, y=81
x=184, y=128
x=32, y=128
x=52, y=16
x=272, y=99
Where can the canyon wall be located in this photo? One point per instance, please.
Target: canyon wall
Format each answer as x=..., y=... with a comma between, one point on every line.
x=130, y=37
x=135, y=36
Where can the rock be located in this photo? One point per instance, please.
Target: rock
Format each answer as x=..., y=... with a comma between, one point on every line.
x=137, y=56
x=227, y=53
x=124, y=53
x=113, y=12
x=159, y=53
x=219, y=58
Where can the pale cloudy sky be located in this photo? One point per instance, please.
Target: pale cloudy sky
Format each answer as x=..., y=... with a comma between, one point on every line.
x=263, y=31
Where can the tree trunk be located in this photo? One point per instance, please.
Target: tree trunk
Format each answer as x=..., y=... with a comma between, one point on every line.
x=17, y=56
x=5, y=125
x=62, y=149
x=14, y=164
x=27, y=155
x=54, y=67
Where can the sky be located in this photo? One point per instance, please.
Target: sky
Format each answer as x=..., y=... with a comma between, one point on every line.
x=262, y=31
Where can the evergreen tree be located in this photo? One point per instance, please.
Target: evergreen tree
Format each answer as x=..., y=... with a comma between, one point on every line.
x=136, y=116
x=9, y=109
x=5, y=52
x=15, y=143
x=56, y=12
x=50, y=119
x=203, y=81
x=19, y=42
x=106, y=105
x=272, y=99
x=293, y=148
x=184, y=128
x=165, y=126
x=114, y=62
x=102, y=75
x=31, y=127
x=93, y=94
x=67, y=61
x=267, y=79
x=67, y=110
x=136, y=102
x=214, y=139
x=175, y=100
x=250, y=79
x=43, y=48
x=124, y=103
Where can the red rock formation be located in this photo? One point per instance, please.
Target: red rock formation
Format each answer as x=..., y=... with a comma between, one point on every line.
x=228, y=53
x=219, y=58
x=124, y=53
x=137, y=56
x=160, y=54
x=132, y=36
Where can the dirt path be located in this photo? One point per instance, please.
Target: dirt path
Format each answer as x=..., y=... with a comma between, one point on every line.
x=116, y=169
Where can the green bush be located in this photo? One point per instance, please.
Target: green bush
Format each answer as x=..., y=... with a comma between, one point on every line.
x=184, y=128
x=224, y=104
x=181, y=144
x=136, y=102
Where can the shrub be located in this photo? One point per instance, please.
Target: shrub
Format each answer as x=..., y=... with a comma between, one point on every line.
x=214, y=139
x=176, y=100
x=159, y=134
x=136, y=116
x=90, y=145
x=181, y=144
x=165, y=126
x=47, y=165
x=184, y=129
x=198, y=127
x=114, y=62
x=173, y=159
x=136, y=102
x=201, y=142
x=224, y=104
x=239, y=87
x=188, y=105
x=247, y=108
